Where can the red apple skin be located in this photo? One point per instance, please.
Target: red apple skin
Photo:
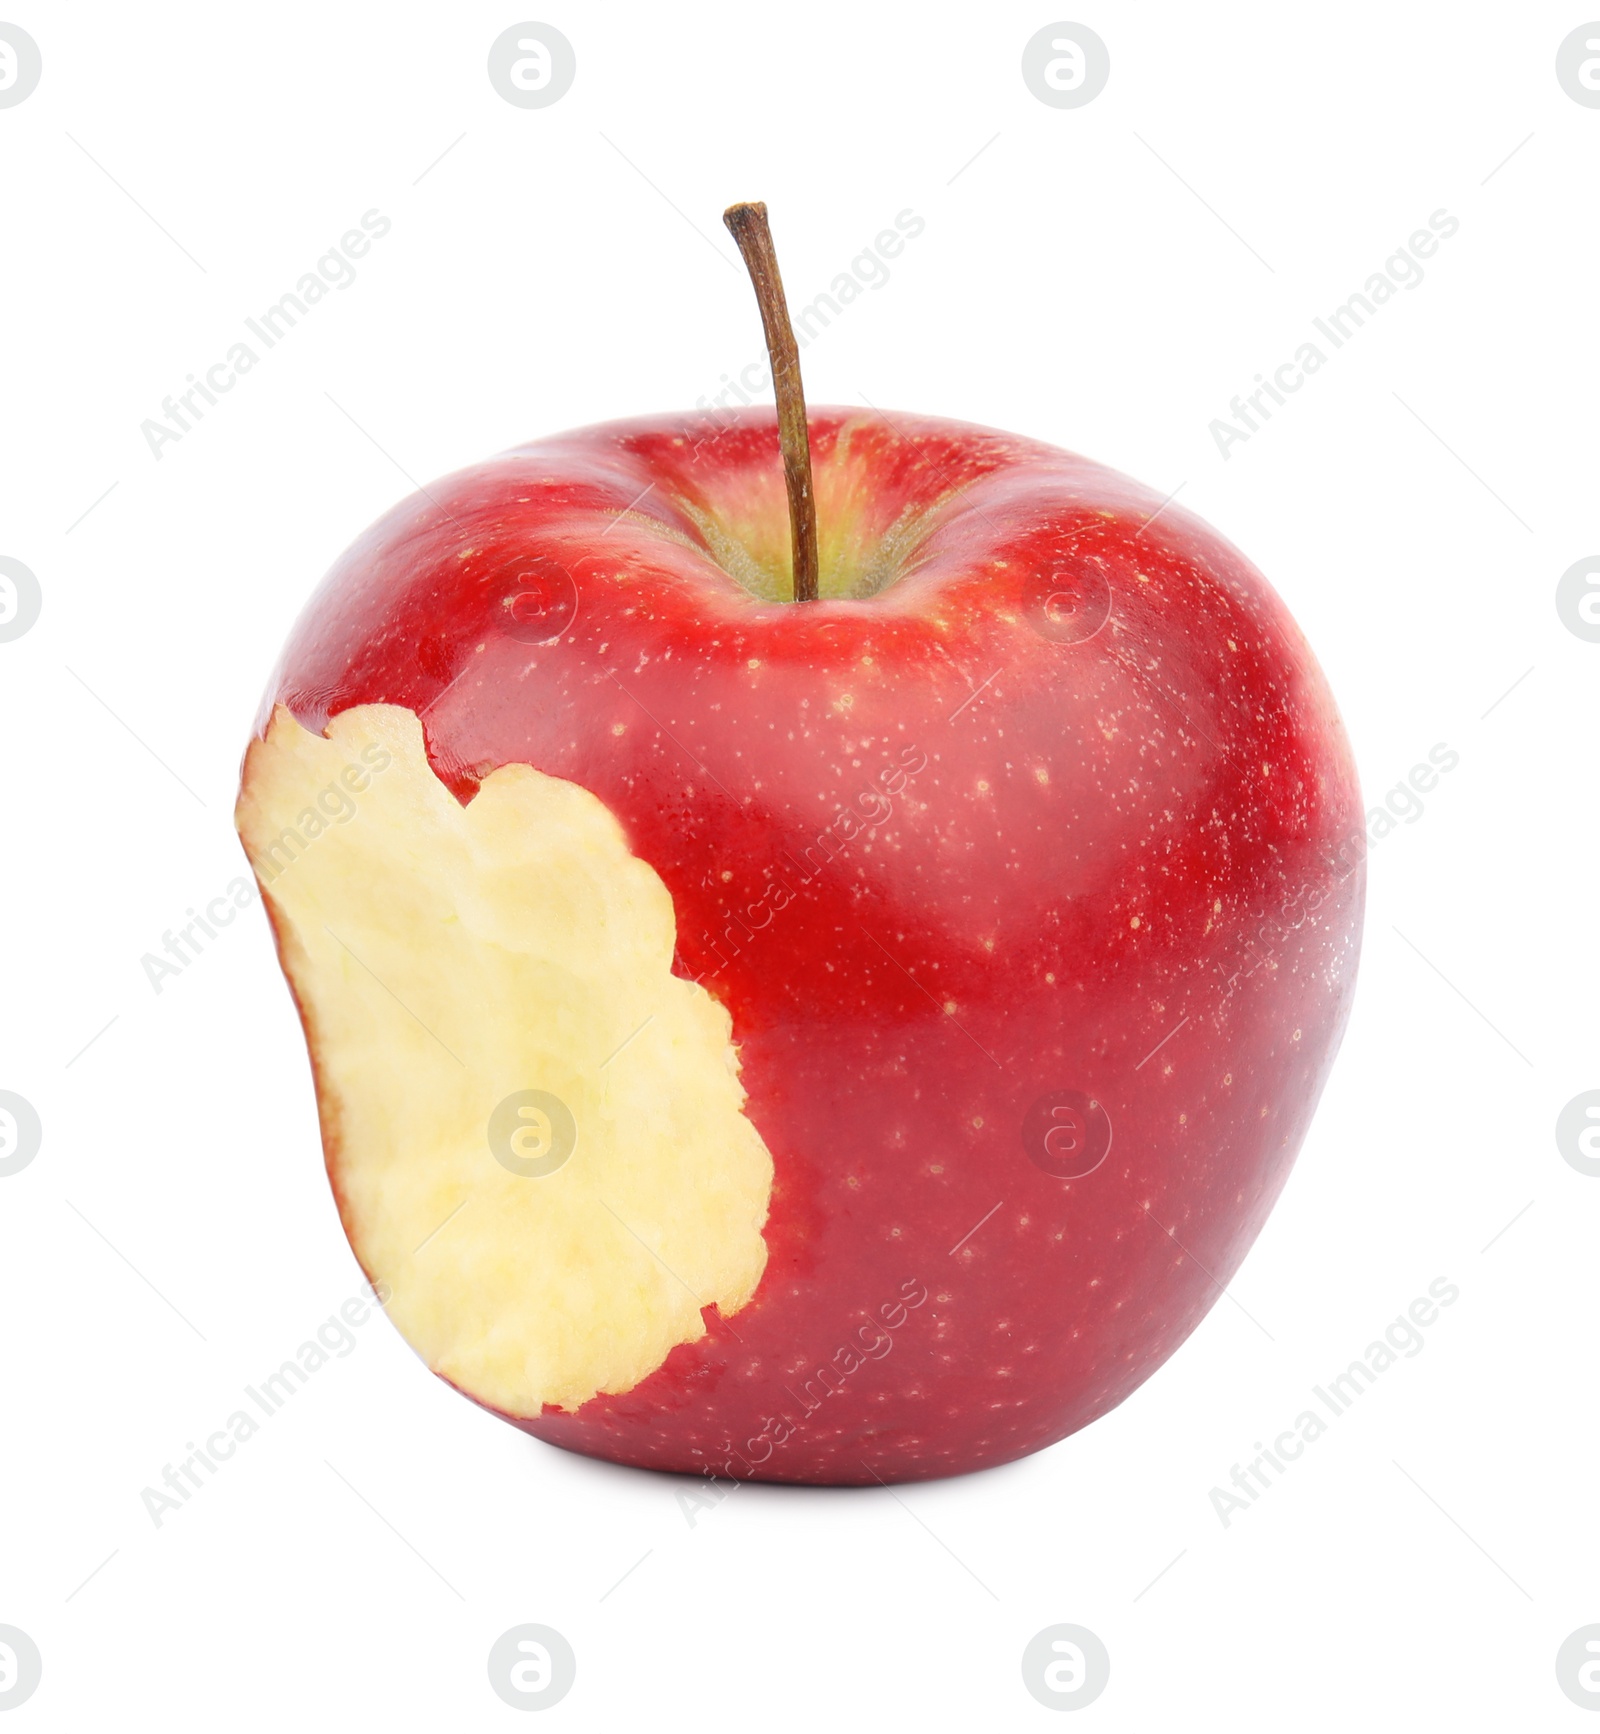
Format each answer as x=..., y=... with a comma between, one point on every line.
x=1129, y=864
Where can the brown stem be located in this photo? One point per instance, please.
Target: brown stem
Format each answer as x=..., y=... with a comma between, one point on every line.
x=747, y=223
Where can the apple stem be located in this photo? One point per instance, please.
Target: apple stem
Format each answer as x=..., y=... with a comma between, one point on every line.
x=748, y=225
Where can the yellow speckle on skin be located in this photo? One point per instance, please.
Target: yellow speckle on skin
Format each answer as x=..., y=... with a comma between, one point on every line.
x=1134, y=922
x=466, y=553
x=983, y=787
x=1050, y=976
x=1227, y=1077
x=1232, y=645
x=978, y=1123
x=754, y=662
x=950, y=1006
x=726, y=876
x=1216, y=908
x=844, y=701
x=936, y=1168
x=1040, y=774
x=619, y=728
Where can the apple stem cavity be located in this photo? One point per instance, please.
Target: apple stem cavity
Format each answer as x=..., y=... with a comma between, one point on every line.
x=748, y=225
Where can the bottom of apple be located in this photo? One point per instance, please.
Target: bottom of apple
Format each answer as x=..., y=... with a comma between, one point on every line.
x=788, y=1453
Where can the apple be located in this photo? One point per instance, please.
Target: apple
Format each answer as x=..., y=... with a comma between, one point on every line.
x=837, y=1040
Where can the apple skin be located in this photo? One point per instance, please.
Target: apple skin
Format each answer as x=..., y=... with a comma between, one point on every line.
x=1117, y=862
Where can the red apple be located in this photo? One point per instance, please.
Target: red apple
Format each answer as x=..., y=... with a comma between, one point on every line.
x=826, y=1042
x=745, y=893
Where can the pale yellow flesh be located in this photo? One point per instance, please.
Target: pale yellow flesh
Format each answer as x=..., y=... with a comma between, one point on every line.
x=445, y=957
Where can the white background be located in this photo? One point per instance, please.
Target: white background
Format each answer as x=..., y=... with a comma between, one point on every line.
x=1422, y=1563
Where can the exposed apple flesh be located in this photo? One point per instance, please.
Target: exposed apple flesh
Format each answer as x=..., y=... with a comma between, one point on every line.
x=522, y=926
x=1046, y=794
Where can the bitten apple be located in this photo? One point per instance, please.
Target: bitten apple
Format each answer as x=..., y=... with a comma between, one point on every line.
x=824, y=1041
